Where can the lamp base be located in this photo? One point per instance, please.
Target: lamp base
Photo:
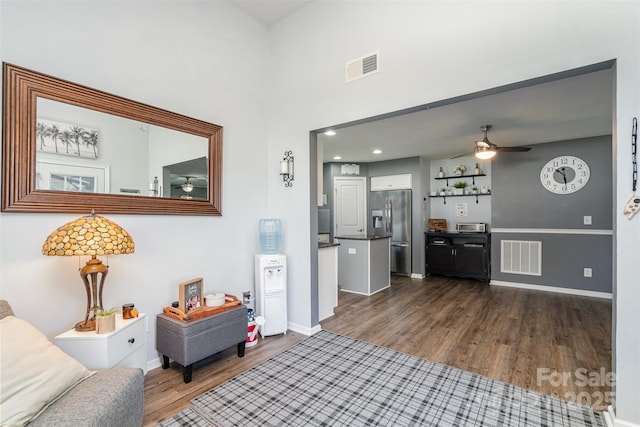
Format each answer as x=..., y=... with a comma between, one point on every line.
x=88, y=326
x=93, y=274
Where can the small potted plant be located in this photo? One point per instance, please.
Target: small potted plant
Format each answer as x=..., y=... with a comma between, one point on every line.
x=106, y=320
x=459, y=170
x=459, y=188
x=474, y=190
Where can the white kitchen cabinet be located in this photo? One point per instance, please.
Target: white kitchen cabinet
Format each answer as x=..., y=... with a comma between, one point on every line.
x=391, y=182
x=126, y=346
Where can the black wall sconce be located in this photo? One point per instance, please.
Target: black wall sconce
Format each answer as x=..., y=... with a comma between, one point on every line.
x=286, y=169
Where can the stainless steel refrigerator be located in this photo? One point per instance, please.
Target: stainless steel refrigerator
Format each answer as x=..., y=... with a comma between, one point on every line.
x=391, y=216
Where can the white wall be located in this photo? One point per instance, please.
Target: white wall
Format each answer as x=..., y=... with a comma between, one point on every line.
x=201, y=59
x=434, y=50
x=206, y=60
x=476, y=212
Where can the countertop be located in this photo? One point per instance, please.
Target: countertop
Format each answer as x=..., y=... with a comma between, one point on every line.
x=457, y=233
x=362, y=237
x=322, y=245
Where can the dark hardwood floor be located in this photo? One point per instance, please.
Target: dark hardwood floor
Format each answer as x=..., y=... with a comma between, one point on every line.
x=552, y=343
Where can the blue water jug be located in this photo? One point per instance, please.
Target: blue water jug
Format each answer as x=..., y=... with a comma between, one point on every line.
x=270, y=241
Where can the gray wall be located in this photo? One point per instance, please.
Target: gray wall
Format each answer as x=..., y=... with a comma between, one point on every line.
x=331, y=170
x=412, y=165
x=519, y=201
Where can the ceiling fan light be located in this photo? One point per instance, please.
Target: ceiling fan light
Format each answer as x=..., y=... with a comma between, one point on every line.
x=485, y=153
x=187, y=187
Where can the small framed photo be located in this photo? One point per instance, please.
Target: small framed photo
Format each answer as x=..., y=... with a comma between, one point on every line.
x=190, y=295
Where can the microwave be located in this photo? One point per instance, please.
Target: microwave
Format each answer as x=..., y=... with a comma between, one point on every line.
x=471, y=227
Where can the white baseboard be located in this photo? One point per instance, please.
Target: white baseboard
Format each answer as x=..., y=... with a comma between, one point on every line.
x=417, y=276
x=557, y=289
x=612, y=421
x=609, y=416
x=153, y=364
x=617, y=422
x=304, y=330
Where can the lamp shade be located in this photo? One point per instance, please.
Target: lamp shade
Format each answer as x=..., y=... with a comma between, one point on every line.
x=89, y=235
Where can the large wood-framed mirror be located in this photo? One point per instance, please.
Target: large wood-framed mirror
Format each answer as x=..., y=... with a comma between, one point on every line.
x=70, y=148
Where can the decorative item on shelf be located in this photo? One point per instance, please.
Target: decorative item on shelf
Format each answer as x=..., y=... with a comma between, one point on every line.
x=286, y=169
x=231, y=301
x=459, y=188
x=477, y=170
x=350, y=169
x=459, y=170
x=90, y=235
x=129, y=311
x=190, y=295
x=474, y=190
x=441, y=173
x=437, y=224
x=106, y=320
x=443, y=191
x=433, y=193
x=154, y=188
x=484, y=189
x=215, y=299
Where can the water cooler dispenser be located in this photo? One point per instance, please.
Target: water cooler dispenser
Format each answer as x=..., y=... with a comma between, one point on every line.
x=271, y=278
x=271, y=292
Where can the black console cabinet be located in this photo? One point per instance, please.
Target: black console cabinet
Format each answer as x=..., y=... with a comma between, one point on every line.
x=465, y=255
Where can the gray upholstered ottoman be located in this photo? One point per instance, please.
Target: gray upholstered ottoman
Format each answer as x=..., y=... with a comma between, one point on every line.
x=189, y=342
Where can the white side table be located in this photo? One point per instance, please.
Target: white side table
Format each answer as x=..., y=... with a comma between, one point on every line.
x=126, y=346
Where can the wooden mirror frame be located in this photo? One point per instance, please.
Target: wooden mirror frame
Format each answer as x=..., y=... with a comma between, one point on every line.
x=21, y=90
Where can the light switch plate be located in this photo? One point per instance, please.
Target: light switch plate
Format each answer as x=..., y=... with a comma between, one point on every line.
x=352, y=251
x=587, y=220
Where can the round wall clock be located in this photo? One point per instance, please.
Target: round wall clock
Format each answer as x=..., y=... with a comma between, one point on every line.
x=565, y=174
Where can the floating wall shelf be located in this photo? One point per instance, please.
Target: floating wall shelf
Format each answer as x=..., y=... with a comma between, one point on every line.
x=473, y=177
x=460, y=195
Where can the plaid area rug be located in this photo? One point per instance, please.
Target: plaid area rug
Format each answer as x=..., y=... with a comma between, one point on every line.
x=332, y=380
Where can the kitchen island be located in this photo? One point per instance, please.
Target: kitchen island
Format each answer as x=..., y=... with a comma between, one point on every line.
x=363, y=263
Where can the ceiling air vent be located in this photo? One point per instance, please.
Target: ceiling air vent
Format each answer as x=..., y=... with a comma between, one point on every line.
x=363, y=67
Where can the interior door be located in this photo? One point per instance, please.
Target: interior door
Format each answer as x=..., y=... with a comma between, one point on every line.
x=349, y=206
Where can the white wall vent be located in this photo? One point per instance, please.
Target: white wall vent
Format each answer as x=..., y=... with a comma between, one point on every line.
x=363, y=67
x=521, y=257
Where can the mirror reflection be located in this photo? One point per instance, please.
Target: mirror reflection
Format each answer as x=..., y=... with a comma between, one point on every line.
x=83, y=150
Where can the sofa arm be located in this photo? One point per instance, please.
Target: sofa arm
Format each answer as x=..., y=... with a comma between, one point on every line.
x=111, y=397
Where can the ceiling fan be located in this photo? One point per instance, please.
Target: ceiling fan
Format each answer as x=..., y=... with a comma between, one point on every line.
x=486, y=149
x=186, y=187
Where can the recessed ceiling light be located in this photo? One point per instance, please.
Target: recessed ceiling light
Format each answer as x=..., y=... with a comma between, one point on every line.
x=377, y=151
x=337, y=158
x=330, y=133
